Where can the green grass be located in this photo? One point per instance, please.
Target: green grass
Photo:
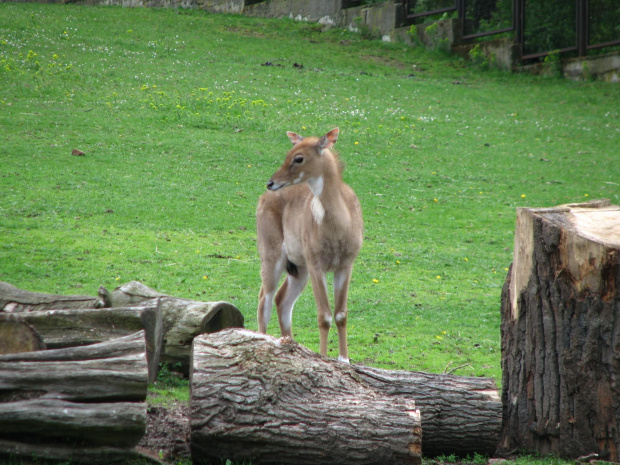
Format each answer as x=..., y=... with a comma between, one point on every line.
x=168, y=389
x=182, y=124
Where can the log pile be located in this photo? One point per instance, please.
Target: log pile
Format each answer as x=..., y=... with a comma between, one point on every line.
x=266, y=400
x=83, y=399
x=64, y=328
x=80, y=404
x=561, y=333
x=171, y=323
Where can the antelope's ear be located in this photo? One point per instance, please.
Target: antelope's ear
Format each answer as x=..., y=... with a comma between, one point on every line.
x=295, y=138
x=329, y=139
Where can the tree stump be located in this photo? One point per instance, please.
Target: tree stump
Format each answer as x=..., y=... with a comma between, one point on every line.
x=76, y=404
x=266, y=400
x=561, y=332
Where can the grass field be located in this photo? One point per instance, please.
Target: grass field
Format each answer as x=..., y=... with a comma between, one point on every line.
x=182, y=118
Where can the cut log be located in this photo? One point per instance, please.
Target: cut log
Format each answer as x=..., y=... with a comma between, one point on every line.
x=266, y=400
x=460, y=415
x=82, y=404
x=13, y=299
x=112, y=371
x=18, y=336
x=78, y=327
x=561, y=333
x=68, y=453
x=121, y=423
x=183, y=319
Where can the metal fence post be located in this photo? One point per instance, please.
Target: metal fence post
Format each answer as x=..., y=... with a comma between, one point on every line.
x=519, y=22
x=582, y=27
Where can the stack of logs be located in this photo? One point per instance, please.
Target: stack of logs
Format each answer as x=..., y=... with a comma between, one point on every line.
x=81, y=404
x=74, y=370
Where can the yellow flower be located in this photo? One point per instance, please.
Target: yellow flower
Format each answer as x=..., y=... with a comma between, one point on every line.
x=522, y=196
x=375, y=280
x=357, y=143
x=438, y=277
x=398, y=262
x=303, y=127
x=435, y=200
x=466, y=259
x=205, y=277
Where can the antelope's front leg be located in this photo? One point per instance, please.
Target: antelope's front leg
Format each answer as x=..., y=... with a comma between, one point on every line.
x=324, y=314
x=342, y=278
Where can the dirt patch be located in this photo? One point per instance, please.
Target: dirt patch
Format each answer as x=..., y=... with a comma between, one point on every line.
x=167, y=432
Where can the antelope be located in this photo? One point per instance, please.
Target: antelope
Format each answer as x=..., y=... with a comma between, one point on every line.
x=308, y=223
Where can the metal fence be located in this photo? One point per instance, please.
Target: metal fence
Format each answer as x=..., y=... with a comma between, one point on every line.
x=538, y=26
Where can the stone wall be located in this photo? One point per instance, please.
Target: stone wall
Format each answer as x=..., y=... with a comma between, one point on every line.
x=603, y=67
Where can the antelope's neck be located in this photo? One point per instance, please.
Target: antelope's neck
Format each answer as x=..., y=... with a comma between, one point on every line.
x=326, y=198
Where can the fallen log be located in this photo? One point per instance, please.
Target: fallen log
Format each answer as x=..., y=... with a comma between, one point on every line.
x=266, y=400
x=560, y=333
x=75, y=455
x=183, y=319
x=79, y=327
x=118, y=423
x=460, y=415
x=13, y=299
x=82, y=404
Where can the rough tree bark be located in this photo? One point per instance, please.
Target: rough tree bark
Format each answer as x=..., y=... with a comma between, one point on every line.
x=561, y=332
x=266, y=400
x=460, y=415
x=82, y=326
x=78, y=404
x=183, y=319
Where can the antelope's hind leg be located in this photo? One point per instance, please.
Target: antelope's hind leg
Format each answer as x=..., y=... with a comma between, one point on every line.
x=269, y=238
x=271, y=271
x=289, y=292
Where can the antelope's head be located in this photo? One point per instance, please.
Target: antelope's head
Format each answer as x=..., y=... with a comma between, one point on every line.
x=305, y=162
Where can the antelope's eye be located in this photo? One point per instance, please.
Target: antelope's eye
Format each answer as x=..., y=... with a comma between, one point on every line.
x=298, y=159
